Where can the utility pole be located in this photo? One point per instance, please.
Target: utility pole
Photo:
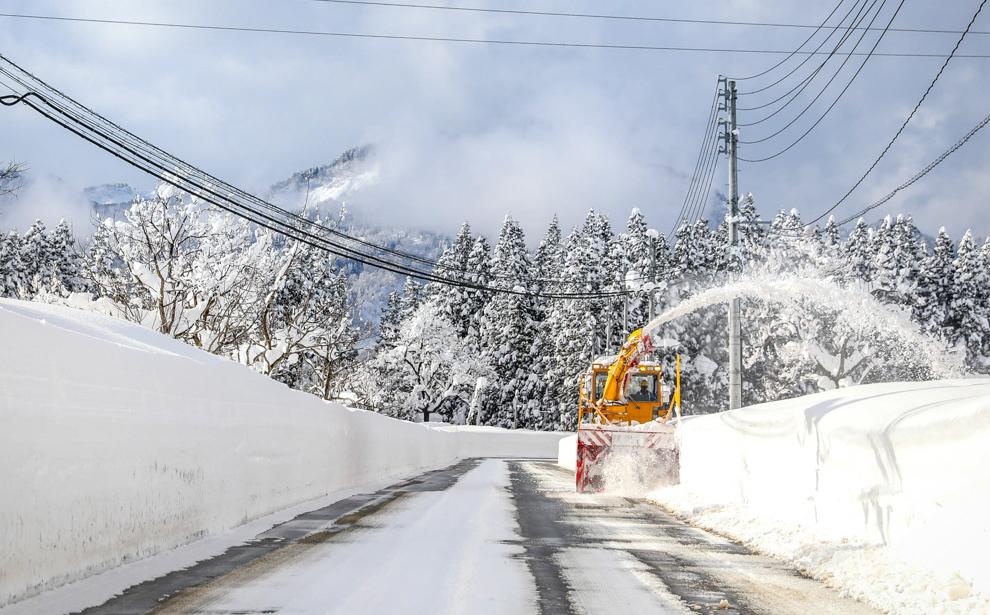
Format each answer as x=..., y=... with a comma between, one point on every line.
x=625, y=311
x=653, y=276
x=735, y=329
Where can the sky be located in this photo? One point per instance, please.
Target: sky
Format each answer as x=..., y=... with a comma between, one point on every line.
x=477, y=132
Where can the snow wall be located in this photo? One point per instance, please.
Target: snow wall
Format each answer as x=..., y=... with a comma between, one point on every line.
x=118, y=443
x=899, y=465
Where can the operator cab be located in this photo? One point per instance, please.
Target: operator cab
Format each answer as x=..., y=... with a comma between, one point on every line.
x=643, y=387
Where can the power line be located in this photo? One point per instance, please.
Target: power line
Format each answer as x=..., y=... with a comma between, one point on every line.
x=227, y=202
x=906, y=120
x=801, y=85
x=719, y=22
x=211, y=180
x=835, y=76
x=701, y=201
x=807, y=58
x=92, y=118
x=697, y=165
x=920, y=174
x=798, y=48
x=442, y=39
x=834, y=102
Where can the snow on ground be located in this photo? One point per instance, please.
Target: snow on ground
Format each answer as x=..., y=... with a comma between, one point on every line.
x=449, y=551
x=119, y=443
x=880, y=490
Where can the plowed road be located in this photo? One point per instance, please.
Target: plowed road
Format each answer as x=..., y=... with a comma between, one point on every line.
x=492, y=536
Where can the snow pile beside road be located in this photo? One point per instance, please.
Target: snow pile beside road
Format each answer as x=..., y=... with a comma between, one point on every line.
x=567, y=453
x=118, y=443
x=879, y=489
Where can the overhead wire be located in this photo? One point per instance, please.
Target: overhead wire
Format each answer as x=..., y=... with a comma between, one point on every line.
x=799, y=87
x=91, y=116
x=824, y=88
x=703, y=194
x=445, y=39
x=904, y=124
x=695, y=175
x=157, y=151
x=503, y=11
x=226, y=201
x=793, y=53
x=920, y=174
x=834, y=102
x=703, y=202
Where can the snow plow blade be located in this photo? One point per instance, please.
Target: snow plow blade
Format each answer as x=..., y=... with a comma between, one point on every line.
x=613, y=458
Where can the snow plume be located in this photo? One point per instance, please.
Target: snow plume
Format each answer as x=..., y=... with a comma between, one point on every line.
x=633, y=471
x=852, y=312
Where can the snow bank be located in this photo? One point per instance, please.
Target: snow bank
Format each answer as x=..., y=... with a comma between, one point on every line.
x=119, y=443
x=879, y=489
x=567, y=453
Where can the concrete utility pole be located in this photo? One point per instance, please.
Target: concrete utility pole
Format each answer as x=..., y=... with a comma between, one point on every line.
x=735, y=329
x=653, y=275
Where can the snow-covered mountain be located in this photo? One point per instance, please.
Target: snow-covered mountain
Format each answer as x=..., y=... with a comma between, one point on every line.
x=325, y=188
x=108, y=200
x=329, y=184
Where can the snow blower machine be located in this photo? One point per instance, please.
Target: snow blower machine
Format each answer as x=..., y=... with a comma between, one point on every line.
x=625, y=436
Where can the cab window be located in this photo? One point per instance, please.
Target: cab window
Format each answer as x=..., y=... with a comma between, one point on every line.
x=642, y=387
x=600, y=378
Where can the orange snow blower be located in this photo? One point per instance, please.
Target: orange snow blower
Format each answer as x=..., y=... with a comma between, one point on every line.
x=624, y=411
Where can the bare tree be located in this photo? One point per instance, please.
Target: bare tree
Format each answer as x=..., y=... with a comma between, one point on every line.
x=11, y=175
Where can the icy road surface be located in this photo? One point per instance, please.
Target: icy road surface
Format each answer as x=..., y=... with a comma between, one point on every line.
x=492, y=536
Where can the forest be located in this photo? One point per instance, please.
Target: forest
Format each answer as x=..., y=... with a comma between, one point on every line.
x=473, y=355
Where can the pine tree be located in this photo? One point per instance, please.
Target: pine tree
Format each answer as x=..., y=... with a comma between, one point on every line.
x=68, y=262
x=638, y=258
x=859, y=254
x=479, y=274
x=969, y=321
x=933, y=297
x=13, y=276
x=549, y=259
x=507, y=331
x=389, y=323
x=571, y=326
x=453, y=265
x=884, y=269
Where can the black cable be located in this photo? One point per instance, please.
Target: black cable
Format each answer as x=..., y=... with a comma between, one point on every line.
x=821, y=92
x=701, y=150
x=442, y=39
x=920, y=174
x=839, y=97
x=703, y=201
x=156, y=152
x=796, y=90
x=799, y=87
x=701, y=198
x=906, y=120
x=835, y=29
x=264, y=220
x=719, y=22
x=798, y=48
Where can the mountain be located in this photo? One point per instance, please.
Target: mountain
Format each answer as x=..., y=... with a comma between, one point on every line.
x=108, y=200
x=328, y=184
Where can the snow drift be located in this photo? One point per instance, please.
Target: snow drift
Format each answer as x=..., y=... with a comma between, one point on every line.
x=880, y=489
x=119, y=443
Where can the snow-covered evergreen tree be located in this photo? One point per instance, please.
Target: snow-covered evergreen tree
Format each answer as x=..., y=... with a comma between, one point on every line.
x=508, y=332
x=970, y=322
